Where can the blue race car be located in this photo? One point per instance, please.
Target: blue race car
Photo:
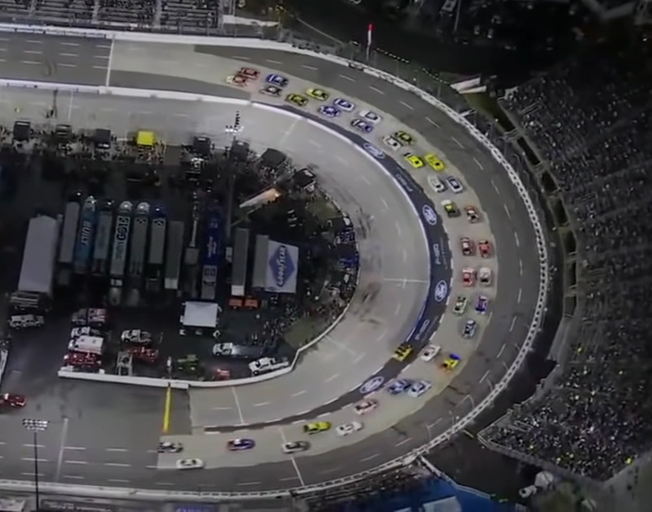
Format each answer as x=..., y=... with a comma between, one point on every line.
x=482, y=304
x=236, y=445
x=330, y=111
x=343, y=104
x=277, y=80
x=363, y=126
x=399, y=386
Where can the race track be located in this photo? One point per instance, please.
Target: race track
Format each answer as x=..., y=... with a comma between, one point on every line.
x=148, y=66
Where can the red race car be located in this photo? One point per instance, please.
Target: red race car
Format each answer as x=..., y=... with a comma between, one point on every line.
x=249, y=73
x=144, y=354
x=468, y=247
x=82, y=360
x=468, y=277
x=11, y=400
x=485, y=248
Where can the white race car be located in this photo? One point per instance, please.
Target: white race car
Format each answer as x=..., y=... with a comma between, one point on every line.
x=392, y=143
x=369, y=116
x=430, y=353
x=349, y=428
x=343, y=104
x=365, y=406
x=190, y=464
x=418, y=388
x=295, y=446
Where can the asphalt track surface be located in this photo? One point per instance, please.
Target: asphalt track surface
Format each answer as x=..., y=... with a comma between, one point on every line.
x=513, y=238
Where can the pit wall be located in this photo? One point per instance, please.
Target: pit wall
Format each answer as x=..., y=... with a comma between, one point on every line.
x=408, y=457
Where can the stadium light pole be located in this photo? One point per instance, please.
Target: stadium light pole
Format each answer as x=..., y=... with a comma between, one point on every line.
x=36, y=426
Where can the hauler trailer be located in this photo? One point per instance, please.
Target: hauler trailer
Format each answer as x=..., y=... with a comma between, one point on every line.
x=173, y=256
x=100, y=262
x=85, y=236
x=119, y=253
x=137, y=254
x=156, y=257
x=37, y=269
x=68, y=239
x=211, y=257
x=191, y=252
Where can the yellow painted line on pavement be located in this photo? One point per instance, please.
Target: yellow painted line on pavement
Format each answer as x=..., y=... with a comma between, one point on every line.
x=168, y=407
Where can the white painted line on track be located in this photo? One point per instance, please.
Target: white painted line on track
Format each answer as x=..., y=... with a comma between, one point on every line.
x=516, y=239
x=32, y=459
x=261, y=404
x=163, y=483
x=118, y=480
x=371, y=457
x=73, y=477
x=299, y=393
x=520, y=292
x=82, y=462
x=62, y=448
x=511, y=327
x=502, y=349
x=69, y=44
x=347, y=78
x=69, y=54
x=271, y=61
x=398, y=228
x=237, y=405
x=385, y=205
x=332, y=377
x=117, y=464
x=222, y=408
x=64, y=65
x=406, y=105
x=121, y=450
x=376, y=90
x=311, y=68
x=107, y=80
x=243, y=484
x=359, y=358
x=239, y=57
x=406, y=440
x=486, y=374
x=30, y=445
x=509, y=215
x=32, y=474
x=478, y=163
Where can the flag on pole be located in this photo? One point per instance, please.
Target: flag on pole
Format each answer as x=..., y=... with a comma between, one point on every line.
x=370, y=31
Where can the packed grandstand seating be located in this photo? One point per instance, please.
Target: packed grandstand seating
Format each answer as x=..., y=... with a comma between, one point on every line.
x=597, y=132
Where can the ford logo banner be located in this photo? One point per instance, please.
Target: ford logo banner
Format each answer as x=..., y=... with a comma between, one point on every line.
x=441, y=291
x=372, y=385
x=429, y=214
x=373, y=151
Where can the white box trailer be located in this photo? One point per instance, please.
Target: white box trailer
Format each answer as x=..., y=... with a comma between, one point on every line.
x=39, y=256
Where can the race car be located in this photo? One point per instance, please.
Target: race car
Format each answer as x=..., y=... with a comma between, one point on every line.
x=190, y=464
x=169, y=447
x=482, y=304
x=330, y=111
x=404, y=138
x=137, y=336
x=418, y=388
x=276, y=80
x=468, y=277
x=365, y=406
x=450, y=208
x=454, y=184
x=437, y=185
x=402, y=352
x=472, y=214
x=484, y=276
x=434, y=162
x=237, y=80
x=238, y=445
x=248, y=73
x=95, y=317
x=392, y=143
x=460, y=305
x=295, y=446
x=83, y=361
x=451, y=362
x=430, y=352
x=469, y=329
x=317, y=94
x=344, y=105
x=271, y=90
x=485, y=248
x=398, y=386
x=349, y=428
x=467, y=245
x=362, y=125
x=297, y=99
x=13, y=401
x=317, y=427
x=414, y=160
x=369, y=116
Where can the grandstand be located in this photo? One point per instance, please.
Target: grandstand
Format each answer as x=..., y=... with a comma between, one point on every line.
x=588, y=126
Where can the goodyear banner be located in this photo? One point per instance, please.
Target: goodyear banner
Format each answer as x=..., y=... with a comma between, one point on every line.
x=282, y=267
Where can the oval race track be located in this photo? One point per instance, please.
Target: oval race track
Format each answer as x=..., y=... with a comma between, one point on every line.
x=510, y=227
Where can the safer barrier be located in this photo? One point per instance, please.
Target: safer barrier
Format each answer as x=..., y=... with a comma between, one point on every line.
x=539, y=234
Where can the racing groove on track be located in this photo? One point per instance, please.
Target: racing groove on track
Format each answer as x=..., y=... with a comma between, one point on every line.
x=508, y=218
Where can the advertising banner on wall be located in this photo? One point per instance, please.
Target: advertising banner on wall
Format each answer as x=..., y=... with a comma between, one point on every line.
x=282, y=268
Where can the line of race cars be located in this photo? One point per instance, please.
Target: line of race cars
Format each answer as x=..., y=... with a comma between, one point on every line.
x=364, y=121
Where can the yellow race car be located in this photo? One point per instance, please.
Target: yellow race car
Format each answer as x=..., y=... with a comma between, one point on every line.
x=414, y=160
x=297, y=99
x=451, y=362
x=402, y=352
x=434, y=162
x=404, y=138
x=317, y=94
x=316, y=427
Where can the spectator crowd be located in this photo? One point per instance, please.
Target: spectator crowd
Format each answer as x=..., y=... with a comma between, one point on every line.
x=591, y=119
